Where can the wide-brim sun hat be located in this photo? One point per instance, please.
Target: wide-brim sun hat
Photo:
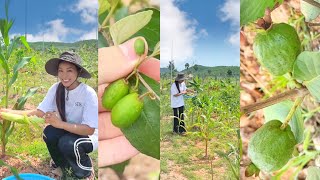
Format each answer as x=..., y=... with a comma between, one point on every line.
x=180, y=77
x=68, y=56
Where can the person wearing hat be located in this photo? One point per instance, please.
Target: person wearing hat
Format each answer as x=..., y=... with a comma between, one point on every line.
x=71, y=110
x=178, y=89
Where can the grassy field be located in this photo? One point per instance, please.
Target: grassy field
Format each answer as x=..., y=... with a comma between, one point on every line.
x=183, y=157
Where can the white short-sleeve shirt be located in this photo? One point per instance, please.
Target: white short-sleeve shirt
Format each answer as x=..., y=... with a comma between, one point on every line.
x=177, y=101
x=81, y=107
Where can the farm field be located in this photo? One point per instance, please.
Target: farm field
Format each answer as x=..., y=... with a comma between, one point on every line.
x=211, y=118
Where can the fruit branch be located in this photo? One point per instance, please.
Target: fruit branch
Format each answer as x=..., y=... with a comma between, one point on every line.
x=147, y=86
x=297, y=103
x=301, y=92
x=312, y=2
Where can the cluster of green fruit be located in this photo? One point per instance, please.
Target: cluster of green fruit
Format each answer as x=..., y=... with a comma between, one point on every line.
x=271, y=147
x=124, y=102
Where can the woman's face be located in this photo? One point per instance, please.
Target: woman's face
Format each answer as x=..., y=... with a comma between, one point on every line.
x=67, y=73
x=181, y=81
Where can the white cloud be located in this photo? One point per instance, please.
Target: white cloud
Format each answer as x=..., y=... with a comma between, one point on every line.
x=234, y=39
x=53, y=31
x=203, y=33
x=230, y=11
x=87, y=9
x=178, y=34
x=89, y=35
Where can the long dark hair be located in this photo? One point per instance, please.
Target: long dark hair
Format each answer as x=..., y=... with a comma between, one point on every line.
x=60, y=101
x=177, y=85
x=60, y=96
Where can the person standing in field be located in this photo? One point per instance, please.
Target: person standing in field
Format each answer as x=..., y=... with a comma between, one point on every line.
x=178, y=89
x=71, y=110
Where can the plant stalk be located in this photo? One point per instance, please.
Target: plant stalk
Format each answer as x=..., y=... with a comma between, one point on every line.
x=297, y=103
x=301, y=92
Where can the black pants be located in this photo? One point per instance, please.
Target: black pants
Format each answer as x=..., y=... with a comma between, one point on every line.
x=69, y=150
x=178, y=113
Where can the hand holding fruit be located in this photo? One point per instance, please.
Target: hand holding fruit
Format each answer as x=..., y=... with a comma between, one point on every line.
x=117, y=62
x=53, y=119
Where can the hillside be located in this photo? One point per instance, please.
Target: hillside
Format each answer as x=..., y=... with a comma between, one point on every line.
x=202, y=71
x=61, y=45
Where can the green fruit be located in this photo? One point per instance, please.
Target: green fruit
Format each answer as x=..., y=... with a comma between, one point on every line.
x=139, y=46
x=277, y=48
x=126, y=111
x=114, y=92
x=270, y=148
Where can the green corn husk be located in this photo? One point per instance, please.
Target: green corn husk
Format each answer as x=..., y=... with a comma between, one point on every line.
x=21, y=119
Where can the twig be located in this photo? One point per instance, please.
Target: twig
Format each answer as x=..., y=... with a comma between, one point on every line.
x=297, y=103
x=108, y=38
x=275, y=99
x=312, y=2
x=147, y=86
x=313, y=24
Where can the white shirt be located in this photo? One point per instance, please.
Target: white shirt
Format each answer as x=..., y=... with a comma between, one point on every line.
x=81, y=107
x=177, y=101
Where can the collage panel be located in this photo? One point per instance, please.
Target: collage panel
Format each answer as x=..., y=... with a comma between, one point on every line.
x=199, y=88
x=48, y=90
x=129, y=98
x=280, y=65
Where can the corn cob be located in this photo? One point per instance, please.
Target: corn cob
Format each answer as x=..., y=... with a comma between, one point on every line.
x=21, y=119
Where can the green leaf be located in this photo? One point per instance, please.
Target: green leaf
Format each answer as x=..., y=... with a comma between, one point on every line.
x=13, y=79
x=4, y=64
x=280, y=111
x=126, y=27
x=21, y=63
x=307, y=66
x=12, y=46
x=19, y=105
x=307, y=69
x=102, y=42
x=314, y=86
x=151, y=31
x=121, y=13
x=309, y=11
x=313, y=173
x=119, y=168
x=12, y=169
x=251, y=10
x=24, y=42
x=104, y=6
x=144, y=134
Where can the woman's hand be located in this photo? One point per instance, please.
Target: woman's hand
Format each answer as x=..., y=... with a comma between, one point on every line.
x=53, y=119
x=114, y=63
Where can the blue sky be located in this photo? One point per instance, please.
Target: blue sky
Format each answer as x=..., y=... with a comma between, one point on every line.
x=200, y=32
x=53, y=20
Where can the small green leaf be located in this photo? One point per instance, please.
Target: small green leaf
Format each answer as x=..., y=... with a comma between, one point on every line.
x=13, y=79
x=19, y=105
x=280, y=111
x=119, y=168
x=313, y=173
x=314, y=86
x=126, y=27
x=309, y=11
x=21, y=63
x=4, y=64
x=251, y=10
x=12, y=46
x=307, y=66
x=307, y=70
x=144, y=134
x=104, y=6
x=24, y=42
